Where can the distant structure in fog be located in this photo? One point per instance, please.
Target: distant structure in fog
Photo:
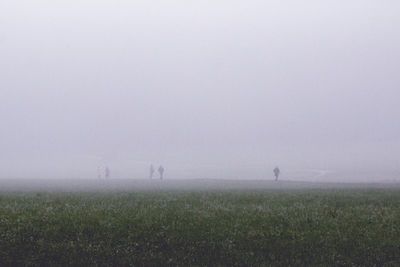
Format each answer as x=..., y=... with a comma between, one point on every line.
x=107, y=173
x=161, y=171
x=152, y=170
x=277, y=171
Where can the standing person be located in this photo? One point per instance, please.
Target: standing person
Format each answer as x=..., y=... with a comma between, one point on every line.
x=107, y=173
x=152, y=170
x=161, y=171
x=276, y=173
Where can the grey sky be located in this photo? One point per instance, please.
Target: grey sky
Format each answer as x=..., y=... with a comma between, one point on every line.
x=304, y=84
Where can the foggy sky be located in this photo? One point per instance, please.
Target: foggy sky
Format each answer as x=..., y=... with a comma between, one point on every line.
x=197, y=85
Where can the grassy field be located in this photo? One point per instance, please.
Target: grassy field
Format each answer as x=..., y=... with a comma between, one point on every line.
x=324, y=227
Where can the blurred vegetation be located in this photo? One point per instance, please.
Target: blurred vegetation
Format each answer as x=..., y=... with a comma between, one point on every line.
x=206, y=228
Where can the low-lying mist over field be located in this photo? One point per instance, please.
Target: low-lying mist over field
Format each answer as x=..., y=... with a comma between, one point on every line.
x=193, y=185
x=216, y=90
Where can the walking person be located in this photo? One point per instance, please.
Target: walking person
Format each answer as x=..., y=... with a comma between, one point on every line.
x=277, y=171
x=107, y=173
x=161, y=172
x=152, y=170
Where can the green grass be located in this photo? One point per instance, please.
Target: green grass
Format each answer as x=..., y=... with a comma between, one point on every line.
x=204, y=228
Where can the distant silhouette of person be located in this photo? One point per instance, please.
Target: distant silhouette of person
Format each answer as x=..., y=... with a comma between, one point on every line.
x=161, y=171
x=107, y=173
x=277, y=171
x=152, y=170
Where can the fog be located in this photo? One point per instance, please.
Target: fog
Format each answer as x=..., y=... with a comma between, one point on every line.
x=209, y=89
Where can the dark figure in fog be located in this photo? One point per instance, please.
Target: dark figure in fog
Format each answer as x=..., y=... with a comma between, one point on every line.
x=276, y=173
x=107, y=173
x=152, y=170
x=161, y=171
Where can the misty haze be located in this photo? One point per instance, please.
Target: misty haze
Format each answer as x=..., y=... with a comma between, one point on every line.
x=210, y=90
x=199, y=133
